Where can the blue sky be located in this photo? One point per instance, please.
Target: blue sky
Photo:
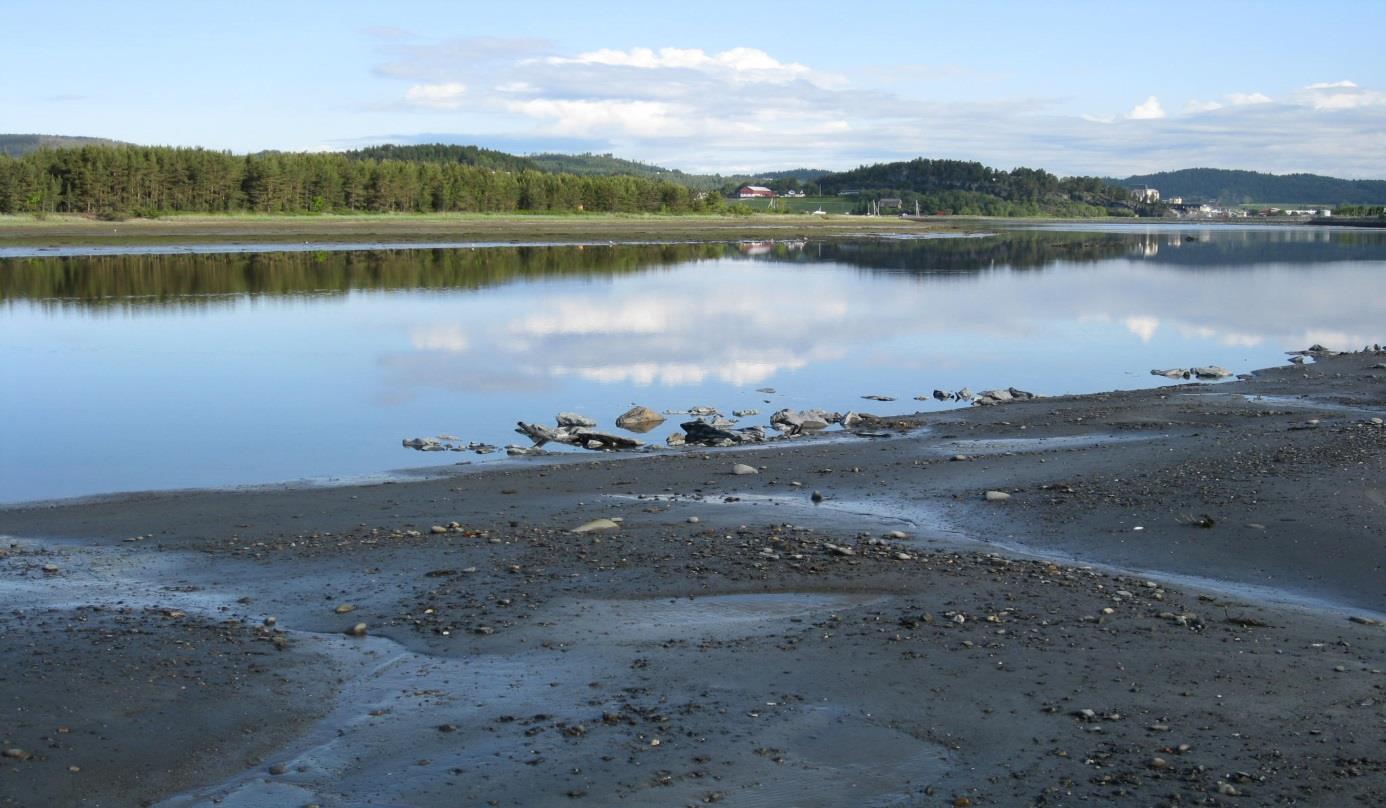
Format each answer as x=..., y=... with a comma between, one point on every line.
x=1078, y=87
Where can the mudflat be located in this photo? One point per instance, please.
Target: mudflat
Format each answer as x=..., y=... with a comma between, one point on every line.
x=1177, y=600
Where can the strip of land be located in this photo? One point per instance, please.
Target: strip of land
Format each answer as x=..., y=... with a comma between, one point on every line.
x=61, y=230
x=1177, y=601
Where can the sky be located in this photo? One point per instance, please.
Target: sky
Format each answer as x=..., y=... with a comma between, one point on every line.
x=1105, y=88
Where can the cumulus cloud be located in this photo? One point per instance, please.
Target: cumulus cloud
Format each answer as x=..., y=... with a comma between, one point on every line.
x=436, y=96
x=745, y=108
x=1147, y=110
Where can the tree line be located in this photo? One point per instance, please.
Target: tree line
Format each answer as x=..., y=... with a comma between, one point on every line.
x=151, y=180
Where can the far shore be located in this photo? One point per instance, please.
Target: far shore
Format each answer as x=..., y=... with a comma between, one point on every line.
x=60, y=230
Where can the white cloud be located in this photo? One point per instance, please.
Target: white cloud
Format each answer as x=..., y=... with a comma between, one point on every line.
x=746, y=108
x=1147, y=110
x=436, y=96
x=738, y=64
x=606, y=117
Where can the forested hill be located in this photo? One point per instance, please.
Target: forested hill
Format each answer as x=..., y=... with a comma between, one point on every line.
x=970, y=188
x=446, y=153
x=116, y=181
x=606, y=164
x=15, y=145
x=1240, y=187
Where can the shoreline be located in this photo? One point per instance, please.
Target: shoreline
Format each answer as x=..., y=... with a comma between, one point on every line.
x=59, y=230
x=734, y=621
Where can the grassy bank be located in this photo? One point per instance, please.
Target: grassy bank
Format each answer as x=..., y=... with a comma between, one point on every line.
x=60, y=230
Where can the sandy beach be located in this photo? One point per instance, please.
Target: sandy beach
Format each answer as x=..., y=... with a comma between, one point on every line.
x=1178, y=601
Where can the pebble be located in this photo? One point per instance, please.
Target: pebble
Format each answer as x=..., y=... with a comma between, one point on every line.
x=278, y=769
x=345, y=608
x=358, y=630
x=693, y=520
x=997, y=496
x=743, y=469
x=437, y=529
x=816, y=497
x=596, y=525
x=897, y=534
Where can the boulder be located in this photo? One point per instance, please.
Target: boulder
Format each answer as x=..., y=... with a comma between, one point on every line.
x=1171, y=373
x=741, y=469
x=941, y=395
x=601, y=440
x=573, y=419
x=639, y=419
x=1211, y=372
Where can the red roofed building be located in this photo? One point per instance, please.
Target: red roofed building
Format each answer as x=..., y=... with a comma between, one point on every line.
x=753, y=191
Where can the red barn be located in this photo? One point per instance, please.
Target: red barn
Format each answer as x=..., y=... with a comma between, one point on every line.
x=753, y=192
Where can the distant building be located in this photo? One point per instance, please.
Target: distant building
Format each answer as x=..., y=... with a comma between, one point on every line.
x=891, y=202
x=1176, y=200
x=754, y=192
x=1144, y=194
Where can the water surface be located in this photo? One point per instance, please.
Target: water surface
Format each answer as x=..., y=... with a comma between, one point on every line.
x=191, y=369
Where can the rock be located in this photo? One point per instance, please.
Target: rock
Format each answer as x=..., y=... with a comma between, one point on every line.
x=703, y=410
x=959, y=458
x=996, y=496
x=601, y=440
x=1364, y=621
x=851, y=419
x=1171, y=373
x=1020, y=395
x=358, y=630
x=816, y=497
x=1159, y=763
x=741, y=469
x=437, y=529
x=15, y=753
x=1210, y=372
x=675, y=439
x=839, y=550
x=540, y=434
x=897, y=535
x=596, y=525
x=744, y=413
x=639, y=419
x=422, y=444
x=447, y=727
x=701, y=432
x=941, y=396
x=989, y=397
x=964, y=394
x=766, y=390
x=50, y=569
x=278, y=769
x=875, y=397
x=574, y=419
x=1298, y=360
x=345, y=608
x=794, y=422
x=693, y=520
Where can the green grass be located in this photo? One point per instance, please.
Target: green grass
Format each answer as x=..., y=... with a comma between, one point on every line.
x=802, y=204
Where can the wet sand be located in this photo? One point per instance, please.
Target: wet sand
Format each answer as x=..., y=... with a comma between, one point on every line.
x=1179, y=603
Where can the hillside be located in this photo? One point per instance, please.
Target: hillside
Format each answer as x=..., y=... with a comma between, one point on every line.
x=15, y=145
x=445, y=153
x=970, y=188
x=1241, y=187
x=607, y=164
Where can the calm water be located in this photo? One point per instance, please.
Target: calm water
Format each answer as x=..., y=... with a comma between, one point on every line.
x=133, y=372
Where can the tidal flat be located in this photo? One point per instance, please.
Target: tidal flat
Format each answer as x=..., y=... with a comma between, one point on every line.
x=1129, y=588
